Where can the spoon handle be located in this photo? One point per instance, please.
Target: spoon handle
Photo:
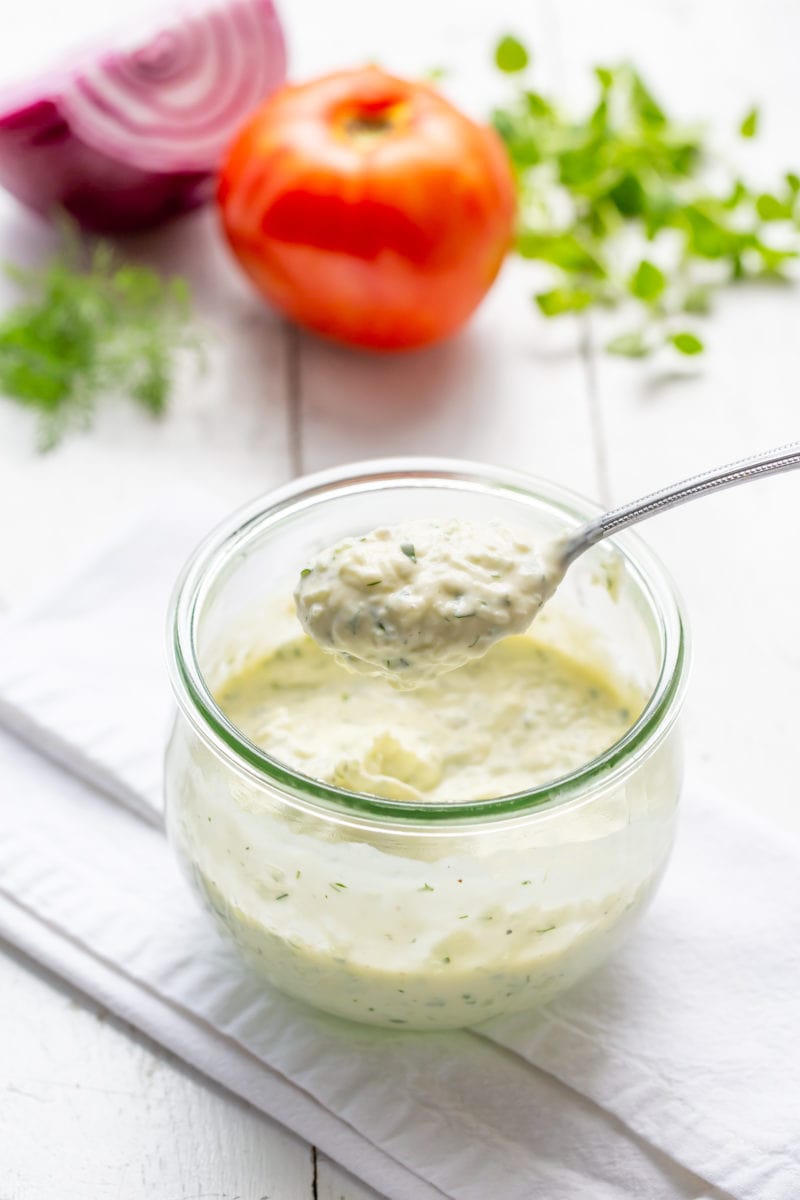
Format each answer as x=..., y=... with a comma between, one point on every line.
x=768, y=462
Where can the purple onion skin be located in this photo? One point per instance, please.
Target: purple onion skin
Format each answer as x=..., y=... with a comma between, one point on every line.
x=49, y=170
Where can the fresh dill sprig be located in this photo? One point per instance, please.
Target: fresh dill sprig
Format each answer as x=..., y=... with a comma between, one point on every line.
x=91, y=326
x=623, y=205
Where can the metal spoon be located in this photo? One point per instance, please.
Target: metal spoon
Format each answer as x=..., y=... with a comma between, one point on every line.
x=415, y=600
x=768, y=462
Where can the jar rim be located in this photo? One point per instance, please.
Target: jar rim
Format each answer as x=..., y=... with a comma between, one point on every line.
x=230, y=538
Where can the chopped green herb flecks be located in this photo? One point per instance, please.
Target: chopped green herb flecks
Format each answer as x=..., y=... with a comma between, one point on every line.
x=426, y=887
x=686, y=343
x=630, y=345
x=409, y=551
x=749, y=126
x=305, y=571
x=510, y=55
x=647, y=282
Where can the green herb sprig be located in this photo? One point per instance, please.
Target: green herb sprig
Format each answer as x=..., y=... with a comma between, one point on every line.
x=90, y=326
x=620, y=203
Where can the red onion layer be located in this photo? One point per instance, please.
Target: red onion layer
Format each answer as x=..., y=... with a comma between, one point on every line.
x=136, y=134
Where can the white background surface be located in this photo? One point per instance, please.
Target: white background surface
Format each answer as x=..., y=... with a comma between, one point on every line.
x=88, y=1108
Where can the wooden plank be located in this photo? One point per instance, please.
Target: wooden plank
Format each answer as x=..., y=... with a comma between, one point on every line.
x=734, y=555
x=509, y=389
x=90, y=1108
x=227, y=430
x=492, y=395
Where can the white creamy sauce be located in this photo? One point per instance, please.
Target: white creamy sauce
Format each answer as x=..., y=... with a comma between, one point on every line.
x=521, y=716
x=447, y=947
x=415, y=600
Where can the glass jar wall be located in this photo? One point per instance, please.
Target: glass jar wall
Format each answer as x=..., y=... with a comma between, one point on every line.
x=420, y=915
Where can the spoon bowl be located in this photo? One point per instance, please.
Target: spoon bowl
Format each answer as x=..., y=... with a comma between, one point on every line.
x=414, y=600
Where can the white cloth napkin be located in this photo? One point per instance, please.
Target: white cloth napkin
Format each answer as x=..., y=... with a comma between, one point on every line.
x=672, y=1074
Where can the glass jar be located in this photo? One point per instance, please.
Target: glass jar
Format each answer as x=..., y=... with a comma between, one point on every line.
x=420, y=916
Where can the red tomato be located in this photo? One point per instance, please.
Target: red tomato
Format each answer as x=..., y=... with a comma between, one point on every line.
x=368, y=208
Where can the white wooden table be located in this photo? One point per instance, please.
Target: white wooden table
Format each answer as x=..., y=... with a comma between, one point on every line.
x=88, y=1107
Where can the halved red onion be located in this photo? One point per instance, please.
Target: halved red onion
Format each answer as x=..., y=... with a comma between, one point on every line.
x=134, y=134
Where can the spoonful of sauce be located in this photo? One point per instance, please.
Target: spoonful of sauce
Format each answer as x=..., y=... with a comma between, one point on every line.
x=415, y=600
